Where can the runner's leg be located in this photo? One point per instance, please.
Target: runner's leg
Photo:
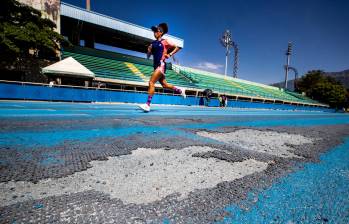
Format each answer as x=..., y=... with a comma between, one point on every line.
x=165, y=85
x=153, y=79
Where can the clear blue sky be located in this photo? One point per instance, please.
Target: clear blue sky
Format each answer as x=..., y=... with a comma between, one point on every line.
x=318, y=29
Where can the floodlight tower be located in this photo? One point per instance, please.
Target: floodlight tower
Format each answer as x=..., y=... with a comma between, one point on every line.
x=288, y=54
x=236, y=60
x=295, y=83
x=227, y=42
x=88, y=5
x=295, y=71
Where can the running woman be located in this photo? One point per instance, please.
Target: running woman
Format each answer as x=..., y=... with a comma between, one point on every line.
x=159, y=49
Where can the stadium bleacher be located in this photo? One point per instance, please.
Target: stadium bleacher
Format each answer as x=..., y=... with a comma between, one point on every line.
x=302, y=97
x=122, y=67
x=102, y=66
x=231, y=85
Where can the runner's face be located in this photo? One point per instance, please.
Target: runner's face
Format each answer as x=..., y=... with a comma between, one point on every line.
x=157, y=34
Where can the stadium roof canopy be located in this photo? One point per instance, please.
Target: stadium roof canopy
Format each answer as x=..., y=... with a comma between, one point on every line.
x=69, y=67
x=106, y=30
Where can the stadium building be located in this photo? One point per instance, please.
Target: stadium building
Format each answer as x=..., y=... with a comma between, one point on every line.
x=88, y=74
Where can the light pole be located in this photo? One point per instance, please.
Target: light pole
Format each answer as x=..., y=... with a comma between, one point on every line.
x=88, y=5
x=288, y=54
x=227, y=42
x=236, y=60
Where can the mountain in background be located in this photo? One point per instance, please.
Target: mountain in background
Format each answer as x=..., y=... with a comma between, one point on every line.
x=342, y=77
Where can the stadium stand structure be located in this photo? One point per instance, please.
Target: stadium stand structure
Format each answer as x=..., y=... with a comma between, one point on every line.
x=134, y=71
x=116, y=68
x=241, y=88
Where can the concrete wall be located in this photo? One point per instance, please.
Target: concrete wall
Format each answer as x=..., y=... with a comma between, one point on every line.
x=50, y=9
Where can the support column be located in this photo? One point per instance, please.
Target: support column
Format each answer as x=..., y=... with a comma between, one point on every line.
x=90, y=40
x=59, y=81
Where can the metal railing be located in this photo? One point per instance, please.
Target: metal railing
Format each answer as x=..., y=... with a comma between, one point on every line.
x=135, y=90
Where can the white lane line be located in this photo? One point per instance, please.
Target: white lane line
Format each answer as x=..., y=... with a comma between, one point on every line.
x=42, y=115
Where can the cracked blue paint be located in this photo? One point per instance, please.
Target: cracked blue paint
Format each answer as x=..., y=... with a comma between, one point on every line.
x=317, y=194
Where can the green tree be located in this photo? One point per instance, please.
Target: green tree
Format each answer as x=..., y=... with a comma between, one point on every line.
x=22, y=29
x=309, y=80
x=323, y=88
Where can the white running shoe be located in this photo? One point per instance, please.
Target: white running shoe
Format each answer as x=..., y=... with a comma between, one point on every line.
x=183, y=92
x=144, y=107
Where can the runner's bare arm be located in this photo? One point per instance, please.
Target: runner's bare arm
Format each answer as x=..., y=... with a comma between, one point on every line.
x=174, y=51
x=149, y=52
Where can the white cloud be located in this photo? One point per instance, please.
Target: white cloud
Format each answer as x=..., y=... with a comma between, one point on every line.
x=209, y=66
